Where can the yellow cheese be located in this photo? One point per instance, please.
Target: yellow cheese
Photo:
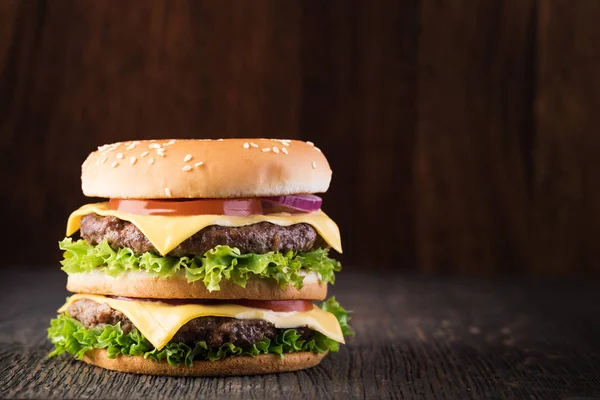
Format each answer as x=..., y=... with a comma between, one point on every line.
x=166, y=232
x=159, y=322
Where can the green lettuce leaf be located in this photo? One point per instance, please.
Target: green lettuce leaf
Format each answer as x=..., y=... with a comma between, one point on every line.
x=70, y=336
x=342, y=315
x=221, y=262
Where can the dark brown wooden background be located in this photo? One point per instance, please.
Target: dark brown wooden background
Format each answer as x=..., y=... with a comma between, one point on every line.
x=463, y=135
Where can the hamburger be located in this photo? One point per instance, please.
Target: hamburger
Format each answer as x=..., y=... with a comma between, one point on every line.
x=205, y=258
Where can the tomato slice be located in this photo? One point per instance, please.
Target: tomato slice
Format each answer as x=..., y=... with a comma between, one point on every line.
x=236, y=207
x=278, y=305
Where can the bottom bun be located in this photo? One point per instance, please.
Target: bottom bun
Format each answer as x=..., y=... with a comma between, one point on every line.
x=236, y=365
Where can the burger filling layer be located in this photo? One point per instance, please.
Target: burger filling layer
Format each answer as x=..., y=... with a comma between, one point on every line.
x=215, y=331
x=284, y=254
x=88, y=324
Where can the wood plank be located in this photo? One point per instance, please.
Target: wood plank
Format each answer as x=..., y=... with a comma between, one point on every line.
x=473, y=136
x=358, y=102
x=25, y=169
x=8, y=19
x=330, y=104
x=387, y=65
x=565, y=193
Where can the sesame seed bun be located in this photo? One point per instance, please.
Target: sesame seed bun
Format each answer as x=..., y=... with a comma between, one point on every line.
x=144, y=285
x=236, y=365
x=155, y=169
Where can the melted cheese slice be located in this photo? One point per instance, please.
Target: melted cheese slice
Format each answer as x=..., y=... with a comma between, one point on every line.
x=167, y=232
x=159, y=321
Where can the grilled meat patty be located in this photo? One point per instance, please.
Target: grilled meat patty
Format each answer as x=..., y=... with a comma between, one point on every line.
x=259, y=238
x=215, y=331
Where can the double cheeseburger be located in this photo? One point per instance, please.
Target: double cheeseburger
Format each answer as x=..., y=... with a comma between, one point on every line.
x=205, y=259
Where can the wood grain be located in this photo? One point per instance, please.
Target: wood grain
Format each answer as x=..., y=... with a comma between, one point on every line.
x=358, y=79
x=416, y=337
x=474, y=106
x=462, y=136
x=565, y=195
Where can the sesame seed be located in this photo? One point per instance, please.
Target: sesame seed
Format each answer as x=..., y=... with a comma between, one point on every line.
x=266, y=149
x=114, y=164
x=318, y=149
x=246, y=145
x=285, y=143
x=120, y=156
x=254, y=145
x=131, y=146
x=186, y=168
x=314, y=165
x=275, y=149
x=187, y=158
x=103, y=160
x=144, y=154
x=220, y=140
x=160, y=152
x=154, y=146
x=169, y=143
x=199, y=163
x=168, y=192
x=284, y=150
x=132, y=160
x=310, y=143
x=151, y=160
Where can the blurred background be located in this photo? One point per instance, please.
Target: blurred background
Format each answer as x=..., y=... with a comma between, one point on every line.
x=464, y=136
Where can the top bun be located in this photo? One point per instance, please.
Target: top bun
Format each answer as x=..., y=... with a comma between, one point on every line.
x=223, y=168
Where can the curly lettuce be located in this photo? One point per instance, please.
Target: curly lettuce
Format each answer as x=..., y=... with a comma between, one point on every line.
x=217, y=264
x=70, y=336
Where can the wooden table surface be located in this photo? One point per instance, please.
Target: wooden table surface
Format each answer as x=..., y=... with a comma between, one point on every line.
x=417, y=337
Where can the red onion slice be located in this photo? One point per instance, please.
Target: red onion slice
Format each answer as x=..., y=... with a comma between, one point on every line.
x=292, y=203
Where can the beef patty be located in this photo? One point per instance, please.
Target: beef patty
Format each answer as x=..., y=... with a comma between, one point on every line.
x=259, y=238
x=215, y=331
